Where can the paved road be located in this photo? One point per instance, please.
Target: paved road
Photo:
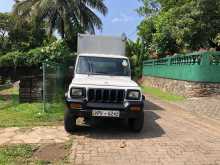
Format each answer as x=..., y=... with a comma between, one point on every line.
x=203, y=106
x=169, y=137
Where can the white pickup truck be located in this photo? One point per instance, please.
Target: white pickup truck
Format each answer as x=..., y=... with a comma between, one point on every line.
x=101, y=86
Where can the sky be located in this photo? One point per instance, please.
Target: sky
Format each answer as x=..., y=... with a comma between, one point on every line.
x=121, y=18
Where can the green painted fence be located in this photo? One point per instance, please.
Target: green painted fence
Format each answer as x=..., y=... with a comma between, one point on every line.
x=199, y=67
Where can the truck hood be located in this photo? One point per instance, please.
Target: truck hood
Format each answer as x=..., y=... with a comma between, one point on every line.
x=104, y=81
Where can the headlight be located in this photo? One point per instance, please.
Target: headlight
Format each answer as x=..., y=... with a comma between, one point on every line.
x=133, y=95
x=77, y=92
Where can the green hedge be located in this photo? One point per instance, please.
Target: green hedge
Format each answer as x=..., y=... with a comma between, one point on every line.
x=55, y=52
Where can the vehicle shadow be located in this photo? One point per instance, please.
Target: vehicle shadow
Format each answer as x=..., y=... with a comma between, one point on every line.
x=118, y=129
x=150, y=106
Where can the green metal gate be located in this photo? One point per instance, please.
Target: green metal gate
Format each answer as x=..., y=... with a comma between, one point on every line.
x=53, y=86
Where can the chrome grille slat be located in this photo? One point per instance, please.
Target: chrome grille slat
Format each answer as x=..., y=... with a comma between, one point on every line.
x=106, y=95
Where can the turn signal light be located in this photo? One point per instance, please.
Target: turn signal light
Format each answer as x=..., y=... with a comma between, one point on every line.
x=75, y=106
x=135, y=109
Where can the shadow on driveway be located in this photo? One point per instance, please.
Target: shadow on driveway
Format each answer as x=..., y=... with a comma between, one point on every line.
x=118, y=129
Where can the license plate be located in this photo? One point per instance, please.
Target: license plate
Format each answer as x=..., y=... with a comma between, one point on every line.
x=103, y=113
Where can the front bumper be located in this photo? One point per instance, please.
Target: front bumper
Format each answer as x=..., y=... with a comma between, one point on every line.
x=86, y=108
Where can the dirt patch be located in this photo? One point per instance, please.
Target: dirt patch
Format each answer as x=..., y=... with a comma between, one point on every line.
x=51, y=152
x=5, y=97
x=24, y=130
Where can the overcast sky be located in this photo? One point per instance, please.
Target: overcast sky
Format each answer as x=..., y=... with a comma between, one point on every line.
x=122, y=16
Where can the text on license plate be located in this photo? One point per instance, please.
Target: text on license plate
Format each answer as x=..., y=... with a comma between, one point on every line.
x=102, y=113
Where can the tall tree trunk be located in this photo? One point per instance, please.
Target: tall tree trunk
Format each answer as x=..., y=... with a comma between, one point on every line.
x=62, y=29
x=50, y=30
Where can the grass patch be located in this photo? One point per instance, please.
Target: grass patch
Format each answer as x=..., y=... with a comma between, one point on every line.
x=14, y=114
x=11, y=91
x=8, y=97
x=26, y=154
x=18, y=154
x=162, y=95
x=25, y=115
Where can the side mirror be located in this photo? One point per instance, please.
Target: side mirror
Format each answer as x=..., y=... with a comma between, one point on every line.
x=143, y=97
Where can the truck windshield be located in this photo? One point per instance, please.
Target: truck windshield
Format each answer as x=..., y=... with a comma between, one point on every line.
x=103, y=66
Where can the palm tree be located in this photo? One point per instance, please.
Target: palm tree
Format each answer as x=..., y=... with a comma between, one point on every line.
x=66, y=16
x=136, y=52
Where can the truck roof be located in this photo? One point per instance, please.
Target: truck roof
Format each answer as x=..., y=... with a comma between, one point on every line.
x=103, y=55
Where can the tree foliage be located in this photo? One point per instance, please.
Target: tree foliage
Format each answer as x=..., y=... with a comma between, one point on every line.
x=68, y=17
x=134, y=51
x=24, y=36
x=57, y=51
x=17, y=34
x=172, y=26
x=5, y=26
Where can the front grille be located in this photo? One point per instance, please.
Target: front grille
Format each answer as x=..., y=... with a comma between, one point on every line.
x=106, y=95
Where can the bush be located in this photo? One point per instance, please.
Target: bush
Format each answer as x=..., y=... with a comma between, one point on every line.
x=55, y=52
x=134, y=51
x=58, y=52
x=12, y=59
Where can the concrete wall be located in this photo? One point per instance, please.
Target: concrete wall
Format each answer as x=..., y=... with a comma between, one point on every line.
x=183, y=88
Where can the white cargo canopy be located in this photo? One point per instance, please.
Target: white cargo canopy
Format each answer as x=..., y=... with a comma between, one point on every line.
x=107, y=45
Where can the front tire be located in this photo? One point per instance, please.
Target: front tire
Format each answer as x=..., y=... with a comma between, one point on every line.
x=136, y=125
x=69, y=122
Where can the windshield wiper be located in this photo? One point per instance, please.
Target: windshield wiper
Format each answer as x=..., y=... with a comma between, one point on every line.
x=106, y=74
x=101, y=73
